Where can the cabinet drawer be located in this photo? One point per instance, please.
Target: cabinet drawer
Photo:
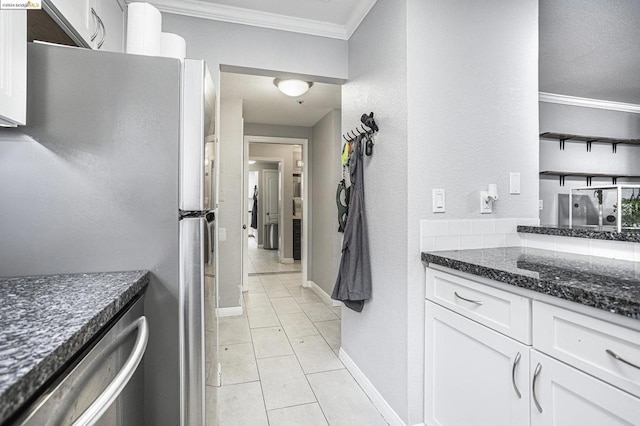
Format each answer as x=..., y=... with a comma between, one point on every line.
x=502, y=311
x=583, y=341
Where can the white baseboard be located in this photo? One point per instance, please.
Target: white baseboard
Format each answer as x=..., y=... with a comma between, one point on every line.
x=229, y=312
x=376, y=398
x=287, y=260
x=321, y=293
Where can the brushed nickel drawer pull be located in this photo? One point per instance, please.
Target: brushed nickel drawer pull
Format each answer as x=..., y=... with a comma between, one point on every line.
x=477, y=302
x=533, y=386
x=617, y=357
x=513, y=375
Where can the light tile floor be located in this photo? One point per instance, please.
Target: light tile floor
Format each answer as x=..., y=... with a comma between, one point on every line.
x=266, y=261
x=280, y=365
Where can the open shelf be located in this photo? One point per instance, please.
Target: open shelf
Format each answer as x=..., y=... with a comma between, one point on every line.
x=588, y=176
x=562, y=137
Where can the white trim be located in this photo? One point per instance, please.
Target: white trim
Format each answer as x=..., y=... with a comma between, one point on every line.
x=359, y=12
x=233, y=311
x=256, y=18
x=588, y=103
x=287, y=260
x=322, y=294
x=376, y=398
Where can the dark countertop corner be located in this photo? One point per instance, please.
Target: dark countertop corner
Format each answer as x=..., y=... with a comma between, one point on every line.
x=582, y=232
x=45, y=320
x=608, y=284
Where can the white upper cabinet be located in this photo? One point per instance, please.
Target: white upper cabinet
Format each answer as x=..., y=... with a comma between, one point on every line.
x=13, y=67
x=98, y=24
x=74, y=16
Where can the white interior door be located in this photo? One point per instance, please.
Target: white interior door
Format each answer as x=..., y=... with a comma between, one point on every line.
x=271, y=197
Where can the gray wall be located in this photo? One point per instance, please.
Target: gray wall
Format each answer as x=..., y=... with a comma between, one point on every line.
x=230, y=203
x=222, y=43
x=376, y=338
x=584, y=121
x=253, y=129
x=325, y=241
x=454, y=89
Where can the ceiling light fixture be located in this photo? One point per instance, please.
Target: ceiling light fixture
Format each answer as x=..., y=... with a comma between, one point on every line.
x=252, y=161
x=292, y=87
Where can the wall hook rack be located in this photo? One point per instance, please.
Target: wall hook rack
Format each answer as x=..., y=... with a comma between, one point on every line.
x=369, y=128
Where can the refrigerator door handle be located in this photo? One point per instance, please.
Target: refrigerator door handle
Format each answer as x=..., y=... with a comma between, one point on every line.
x=115, y=388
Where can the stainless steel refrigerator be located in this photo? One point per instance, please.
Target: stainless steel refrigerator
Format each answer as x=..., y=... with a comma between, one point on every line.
x=109, y=174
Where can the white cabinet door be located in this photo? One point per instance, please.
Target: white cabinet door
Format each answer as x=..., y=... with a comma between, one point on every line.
x=13, y=67
x=473, y=375
x=75, y=18
x=110, y=15
x=564, y=396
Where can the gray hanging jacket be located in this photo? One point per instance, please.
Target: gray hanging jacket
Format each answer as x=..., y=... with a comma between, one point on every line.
x=353, y=285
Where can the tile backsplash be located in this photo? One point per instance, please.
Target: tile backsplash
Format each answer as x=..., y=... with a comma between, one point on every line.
x=460, y=234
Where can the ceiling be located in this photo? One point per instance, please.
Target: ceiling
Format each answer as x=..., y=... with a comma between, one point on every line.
x=589, y=49
x=327, y=18
x=263, y=103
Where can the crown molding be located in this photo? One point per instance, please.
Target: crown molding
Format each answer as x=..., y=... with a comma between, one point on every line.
x=237, y=15
x=588, y=103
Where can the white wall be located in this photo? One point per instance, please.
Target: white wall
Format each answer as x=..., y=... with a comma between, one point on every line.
x=230, y=203
x=458, y=112
x=326, y=241
x=591, y=122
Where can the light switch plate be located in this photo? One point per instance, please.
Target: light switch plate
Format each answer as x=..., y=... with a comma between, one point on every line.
x=438, y=200
x=514, y=183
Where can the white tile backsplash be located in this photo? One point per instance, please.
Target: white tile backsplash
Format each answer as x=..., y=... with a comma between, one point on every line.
x=572, y=245
x=493, y=240
x=459, y=227
x=482, y=226
x=460, y=234
x=613, y=249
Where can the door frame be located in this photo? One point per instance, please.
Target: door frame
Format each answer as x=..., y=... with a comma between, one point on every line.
x=306, y=174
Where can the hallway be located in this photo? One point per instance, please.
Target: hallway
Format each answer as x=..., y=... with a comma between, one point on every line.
x=266, y=261
x=280, y=365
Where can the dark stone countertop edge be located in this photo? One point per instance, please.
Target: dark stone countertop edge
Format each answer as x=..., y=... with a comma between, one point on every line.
x=593, y=234
x=22, y=392
x=573, y=294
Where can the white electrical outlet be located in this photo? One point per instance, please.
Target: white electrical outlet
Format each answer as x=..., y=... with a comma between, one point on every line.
x=485, y=204
x=514, y=183
x=438, y=200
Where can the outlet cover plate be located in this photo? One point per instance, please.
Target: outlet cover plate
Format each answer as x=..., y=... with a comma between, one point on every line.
x=485, y=204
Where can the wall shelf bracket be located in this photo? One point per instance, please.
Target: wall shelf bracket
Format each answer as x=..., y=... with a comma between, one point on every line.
x=614, y=147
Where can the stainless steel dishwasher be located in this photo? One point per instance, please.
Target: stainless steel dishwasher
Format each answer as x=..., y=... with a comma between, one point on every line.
x=105, y=387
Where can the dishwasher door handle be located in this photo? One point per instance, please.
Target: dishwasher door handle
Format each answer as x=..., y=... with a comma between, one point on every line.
x=113, y=390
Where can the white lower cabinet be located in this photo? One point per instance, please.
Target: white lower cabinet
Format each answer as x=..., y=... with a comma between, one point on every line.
x=580, y=371
x=565, y=396
x=474, y=376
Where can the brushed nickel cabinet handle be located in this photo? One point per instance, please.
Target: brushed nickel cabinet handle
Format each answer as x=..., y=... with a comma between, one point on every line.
x=104, y=32
x=533, y=386
x=477, y=302
x=513, y=375
x=95, y=22
x=618, y=358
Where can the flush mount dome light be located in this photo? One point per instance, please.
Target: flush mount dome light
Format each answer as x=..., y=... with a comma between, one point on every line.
x=292, y=87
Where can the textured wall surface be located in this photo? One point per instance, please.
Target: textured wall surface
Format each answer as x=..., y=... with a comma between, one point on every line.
x=376, y=338
x=325, y=239
x=591, y=122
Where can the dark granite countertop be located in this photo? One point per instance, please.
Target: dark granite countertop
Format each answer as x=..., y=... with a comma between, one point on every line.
x=608, y=284
x=45, y=320
x=583, y=232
